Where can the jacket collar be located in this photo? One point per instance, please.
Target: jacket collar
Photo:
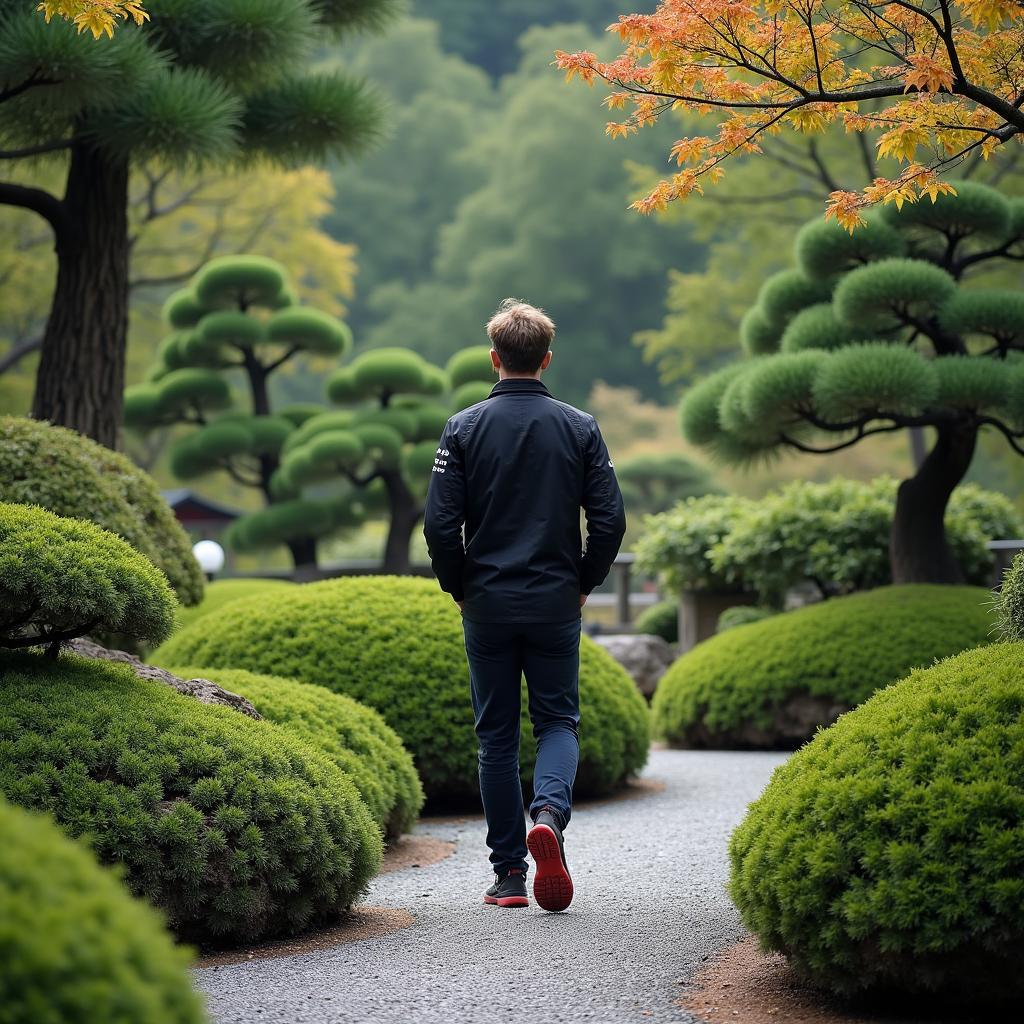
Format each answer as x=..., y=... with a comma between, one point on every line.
x=519, y=385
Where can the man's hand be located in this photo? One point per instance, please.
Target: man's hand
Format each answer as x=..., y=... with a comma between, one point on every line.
x=583, y=599
x=462, y=605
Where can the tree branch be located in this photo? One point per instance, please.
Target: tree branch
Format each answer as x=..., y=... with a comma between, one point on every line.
x=16, y=353
x=38, y=200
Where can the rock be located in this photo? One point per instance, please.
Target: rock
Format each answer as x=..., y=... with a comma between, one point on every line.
x=643, y=656
x=203, y=690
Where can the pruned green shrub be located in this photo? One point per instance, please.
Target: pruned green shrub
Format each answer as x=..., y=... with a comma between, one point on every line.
x=220, y=592
x=661, y=619
x=1009, y=604
x=396, y=644
x=771, y=684
x=63, y=578
x=72, y=476
x=888, y=854
x=75, y=947
x=742, y=615
x=235, y=830
x=355, y=737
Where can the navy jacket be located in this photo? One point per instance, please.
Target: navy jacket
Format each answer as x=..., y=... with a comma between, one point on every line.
x=514, y=471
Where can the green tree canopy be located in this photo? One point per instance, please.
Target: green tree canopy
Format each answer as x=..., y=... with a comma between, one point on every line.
x=878, y=331
x=201, y=81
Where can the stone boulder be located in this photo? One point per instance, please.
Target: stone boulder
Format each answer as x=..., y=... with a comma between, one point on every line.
x=203, y=690
x=644, y=656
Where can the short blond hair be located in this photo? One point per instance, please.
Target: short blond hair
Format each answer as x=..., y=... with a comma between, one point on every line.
x=521, y=334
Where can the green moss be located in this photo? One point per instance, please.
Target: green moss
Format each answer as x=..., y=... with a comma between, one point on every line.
x=75, y=947
x=396, y=644
x=843, y=650
x=888, y=853
x=63, y=578
x=73, y=476
x=356, y=738
x=234, y=829
x=220, y=592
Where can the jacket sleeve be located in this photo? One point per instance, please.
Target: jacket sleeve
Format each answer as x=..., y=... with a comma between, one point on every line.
x=445, y=514
x=604, y=510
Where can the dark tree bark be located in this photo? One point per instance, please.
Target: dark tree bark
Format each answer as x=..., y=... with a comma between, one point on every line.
x=304, y=557
x=918, y=548
x=80, y=382
x=406, y=513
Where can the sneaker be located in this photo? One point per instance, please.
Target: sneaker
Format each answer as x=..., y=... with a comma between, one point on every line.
x=552, y=886
x=509, y=890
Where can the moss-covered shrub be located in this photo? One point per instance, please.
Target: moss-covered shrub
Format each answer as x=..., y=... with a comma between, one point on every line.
x=396, y=644
x=771, y=684
x=355, y=737
x=73, y=476
x=75, y=947
x=888, y=854
x=233, y=828
x=62, y=578
x=661, y=619
x=220, y=592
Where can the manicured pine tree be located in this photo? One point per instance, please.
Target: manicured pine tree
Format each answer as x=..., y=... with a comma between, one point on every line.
x=239, y=317
x=654, y=483
x=201, y=81
x=383, y=442
x=877, y=331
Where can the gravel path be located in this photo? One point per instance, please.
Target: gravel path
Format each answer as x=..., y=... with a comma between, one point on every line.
x=650, y=907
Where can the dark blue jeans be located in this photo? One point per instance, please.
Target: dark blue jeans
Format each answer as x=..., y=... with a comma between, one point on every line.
x=548, y=655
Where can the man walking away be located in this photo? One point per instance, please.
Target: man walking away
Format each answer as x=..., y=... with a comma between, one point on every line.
x=503, y=528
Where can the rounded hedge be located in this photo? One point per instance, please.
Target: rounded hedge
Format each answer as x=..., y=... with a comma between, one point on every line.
x=355, y=737
x=661, y=619
x=75, y=947
x=63, y=578
x=220, y=592
x=888, y=854
x=73, y=476
x=771, y=684
x=396, y=643
x=237, y=831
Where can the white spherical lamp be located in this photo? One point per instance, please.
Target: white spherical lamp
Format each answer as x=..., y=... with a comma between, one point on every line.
x=210, y=556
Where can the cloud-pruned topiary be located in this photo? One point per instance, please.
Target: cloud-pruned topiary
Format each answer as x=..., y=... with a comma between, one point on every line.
x=355, y=737
x=661, y=619
x=235, y=830
x=73, y=476
x=888, y=854
x=220, y=592
x=396, y=644
x=75, y=947
x=879, y=332
x=771, y=684
x=63, y=578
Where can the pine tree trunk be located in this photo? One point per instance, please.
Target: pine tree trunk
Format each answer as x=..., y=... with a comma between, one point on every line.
x=918, y=549
x=80, y=381
x=405, y=516
x=303, y=552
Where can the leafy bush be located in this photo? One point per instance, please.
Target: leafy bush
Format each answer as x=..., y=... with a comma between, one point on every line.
x=63, y=578
x=1009, y=603
x=834, y=534
x=661, y=619
x=220, y=592
x=677, y=544
x=356, y=738
x=73, y=476
x=75, y=947
x=742, y=615
x=396, y=644
x=772, y=683
x=233, y=828
x=888, y=854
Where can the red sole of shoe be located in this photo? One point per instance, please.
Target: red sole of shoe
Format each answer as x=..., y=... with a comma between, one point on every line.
x=552, y=886
x=507, y=901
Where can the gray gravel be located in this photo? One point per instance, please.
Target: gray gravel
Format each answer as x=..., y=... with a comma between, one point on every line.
x=650, y=908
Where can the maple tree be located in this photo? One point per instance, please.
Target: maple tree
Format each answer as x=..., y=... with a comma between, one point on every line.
x=938, y=79
x=902, y=324
x=96, y=16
